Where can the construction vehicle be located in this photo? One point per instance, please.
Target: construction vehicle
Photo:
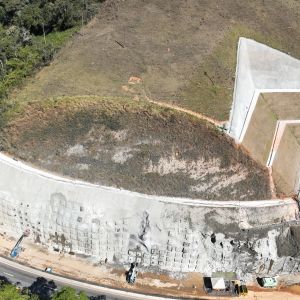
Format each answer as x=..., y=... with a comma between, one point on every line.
x=48, y=270
x=240, y=288
x=131, y=274
x=17, y=248
x=268, y=282
x=243, y=290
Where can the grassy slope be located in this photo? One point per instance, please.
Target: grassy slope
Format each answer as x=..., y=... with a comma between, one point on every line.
x=184, y=52
x=211, y=87
x=134, y=145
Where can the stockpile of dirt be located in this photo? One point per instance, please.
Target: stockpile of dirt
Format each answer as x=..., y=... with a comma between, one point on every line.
x=136, y=146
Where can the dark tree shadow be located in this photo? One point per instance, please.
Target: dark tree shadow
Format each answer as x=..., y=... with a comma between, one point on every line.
x=102, y=297
x=4, y=280
x=260, y=281
x=43, y=288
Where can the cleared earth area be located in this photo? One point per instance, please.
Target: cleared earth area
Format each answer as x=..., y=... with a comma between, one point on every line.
x=184, y=51
x=136, y=146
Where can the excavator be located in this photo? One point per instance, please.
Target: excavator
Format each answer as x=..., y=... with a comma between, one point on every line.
x=17, y=248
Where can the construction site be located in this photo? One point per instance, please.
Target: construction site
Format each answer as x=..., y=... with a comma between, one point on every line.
x=112, y=159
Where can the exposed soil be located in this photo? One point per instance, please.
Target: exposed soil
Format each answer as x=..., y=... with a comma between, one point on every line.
x=188, y=285
x=136, y=146
x=184, y=51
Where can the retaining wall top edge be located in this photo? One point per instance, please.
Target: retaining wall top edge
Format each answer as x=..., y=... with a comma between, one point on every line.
x=16, y=164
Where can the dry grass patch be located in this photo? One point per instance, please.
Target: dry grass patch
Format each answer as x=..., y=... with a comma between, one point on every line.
x=183, y=51
x=136, y=146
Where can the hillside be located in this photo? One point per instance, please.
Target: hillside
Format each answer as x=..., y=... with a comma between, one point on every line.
x=136, y=146
x=183, y=51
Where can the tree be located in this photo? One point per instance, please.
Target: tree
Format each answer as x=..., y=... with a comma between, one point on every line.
x=10, y=292
x=43, y=288
x=68, y=293
x=30, y=33
x=38, y=16
x=31, y=18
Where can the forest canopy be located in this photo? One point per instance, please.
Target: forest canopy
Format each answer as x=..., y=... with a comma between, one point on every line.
x=37, y=16
x=30, y=33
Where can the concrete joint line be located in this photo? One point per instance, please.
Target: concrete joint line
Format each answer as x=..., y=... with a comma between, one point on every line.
x=280, y=128
x=253, y=103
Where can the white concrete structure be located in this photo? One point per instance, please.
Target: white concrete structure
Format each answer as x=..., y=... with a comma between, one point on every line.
x=218, y=283
x=120, y=226
x=266, y=104
x=260, y=69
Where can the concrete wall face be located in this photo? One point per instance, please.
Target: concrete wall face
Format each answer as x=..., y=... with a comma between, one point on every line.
x=260, y=132
x=286, y=166
x=259, y=69
x=265, y=135
x=159, y=233
x=243, y=91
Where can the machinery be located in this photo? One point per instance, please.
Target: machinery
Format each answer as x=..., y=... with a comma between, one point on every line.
x=131, y=274
x=17, y=248
x=268, y=282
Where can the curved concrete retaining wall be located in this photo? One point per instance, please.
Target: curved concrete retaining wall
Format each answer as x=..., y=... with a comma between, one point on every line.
x=158, y=232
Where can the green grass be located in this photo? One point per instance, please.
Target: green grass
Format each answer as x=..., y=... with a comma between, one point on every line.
x=112, y=105
x=57, y=39
x=211, y=87
x=26, y=61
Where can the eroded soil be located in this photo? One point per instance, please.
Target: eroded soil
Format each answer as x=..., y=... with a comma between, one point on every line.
x=136, y=146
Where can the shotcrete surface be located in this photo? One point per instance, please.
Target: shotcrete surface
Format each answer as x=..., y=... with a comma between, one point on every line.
x=160, y=233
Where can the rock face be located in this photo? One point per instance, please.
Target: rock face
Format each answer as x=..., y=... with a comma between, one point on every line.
x=159, y=233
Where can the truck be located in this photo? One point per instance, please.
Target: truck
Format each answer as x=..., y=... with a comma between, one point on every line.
x=268, y=282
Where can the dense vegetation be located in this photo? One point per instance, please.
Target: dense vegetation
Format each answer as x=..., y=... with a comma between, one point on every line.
x=41, y=289
x=30, y=33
